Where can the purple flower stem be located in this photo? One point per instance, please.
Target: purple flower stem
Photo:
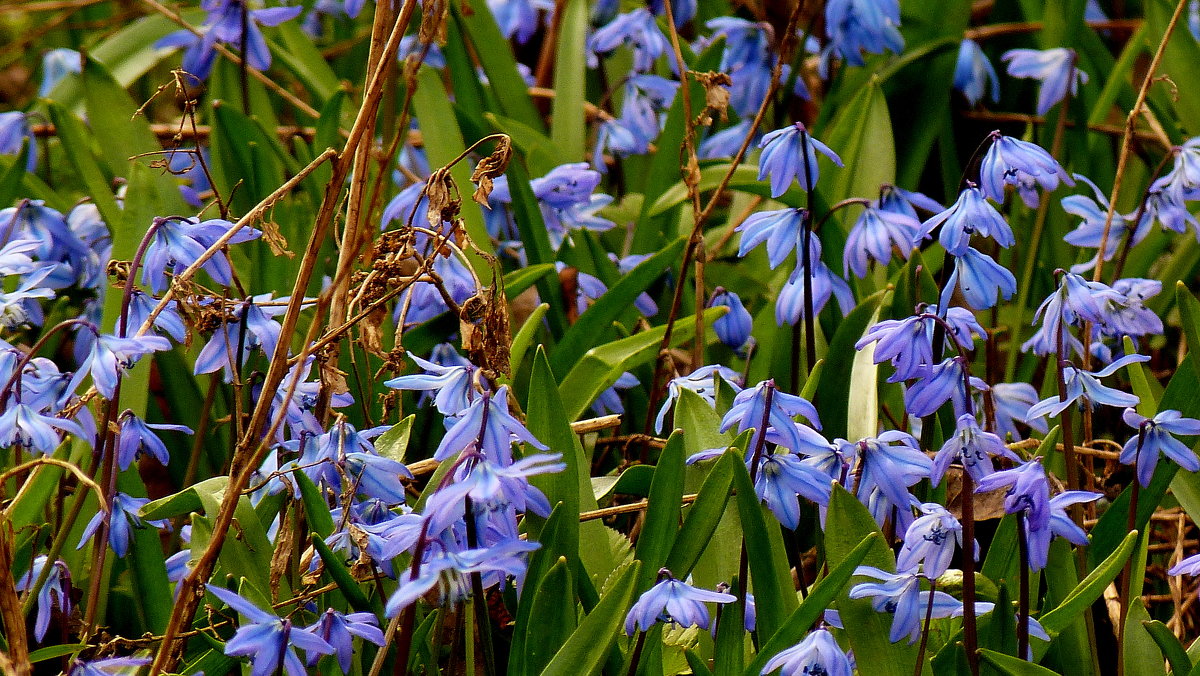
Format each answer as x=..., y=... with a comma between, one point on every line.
x=244, y=66
x=810, y=338
x=925, y=634
x=637, y=653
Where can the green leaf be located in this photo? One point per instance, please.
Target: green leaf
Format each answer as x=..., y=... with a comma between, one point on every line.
x=299, y=54
x=567, y=128
x=998, y=629
x=111, y=115
x=862, y=136
x=702, y=517
x=52, y=651
x=600, y=366
x=500, y=66
x=813, y=607
x=1170, y=646
x=1090, y=588
x=1013, y=666
x=1189, y=311
x=657, y=538
x=588, y=647
x=316, y=509
x=13, y=177
x=393, y=444
x=525, y=337
x=554, y=606
x=848, y=523
x=594, y=324
x=1140, y=652
x=187, y=500
x=550, y=425
x=74, y=138
x=775, y=598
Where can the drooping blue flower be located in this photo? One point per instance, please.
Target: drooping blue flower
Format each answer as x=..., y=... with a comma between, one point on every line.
x=930, y=541
x=673, y=601
x=818, y=653
x=339, y=630
x=780, y=229
x=1012, y=402
x=857, y=26
x=498, y=434
x=451, y=385
x=29, y=428
x=260, y=331
x=142, y=304
x=644, y=303
x=55, y=592
x=1154, y=437
x=749, y=411
x=178, y=243
x=1075, y=301
x=971, y=446
x=33, y=220
x=376, y=476
x=732, y=328
x=224, y=25
x=825, y=284
x=1123, y=308
x=1166, y=203
x=943, y=383
x=1055, y=68
x=124, y=515
x=908, y=343
x=725, y=143
x=682, y=10
x=15, y=131
x=781, y=477
x=1028, y=493
x=620, y=139
x=566, y=185
x=1188, y=566
x=1089, y=233
x=493, y=489
x=446, y=569
x=1061, y=523
x=972, y=73
x=790, y=154
x=108, y=666
x=608, y=402
x=518, y=18
x=639, y=30
x=1084, y=387
x=900, y=593
x=891, y=462
x=1021, y=164
x=111, y=356
x=137, y=436
x=875, y=235
x=980, y=279
x=56, y=65
x=971, y=213
x=268, y=640
x=703, y=382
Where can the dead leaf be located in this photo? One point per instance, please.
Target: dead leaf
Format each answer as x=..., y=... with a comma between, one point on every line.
x=490, y=168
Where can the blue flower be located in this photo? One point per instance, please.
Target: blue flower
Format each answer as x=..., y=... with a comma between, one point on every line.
x=619, y=139
x=1154, y=437
x=930, y=541
x=789, y=306
x=495, y=438
x=1055, y=68
x=168, y=321
x=682, y=10
x=900, y=593
x=1021, y=164
x=108, y=666
x=608, y=402
x=566, y=185
x=124, y=514
x=969, y=214
x=726, y=142
x=780, y=229
x=339, y=630
x=875, y=235
x=980, y=279
x=179, y=243
x=268, y=640
x=111, y=356
x=14, y=131
x=1188, y=566
x=1094, y=213
x=703, y=382
x=375, y=476
x=494, y=489
x=1086, y=386
x=944, y=383
x=56, y=65
x=446, y=569
x=261, y=331
x=644, y=303
x=55, y=592
x=518, y=18
x=749, y=411
x=27, y=427
x=137, y=436
x=973, y=71
x=1076, y=300
x=1028, y=493
x=908, y=343
x=972, y=447
x=818, y=653
x=891, y=462
x=1012, y=402
x=674, y=601
x=781, y=477
x=224, y=24
x=452, y=384
x=856, y=26
x=784, y=151
x=1123, y=309
x=733, y=328
x=637, y=28
x=1061, y=523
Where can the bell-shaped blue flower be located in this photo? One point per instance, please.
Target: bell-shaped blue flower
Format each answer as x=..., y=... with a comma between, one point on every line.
x=970, y=214
x=1055, y=68
x=973, y=72
x=732, y=328
x=673, y=601
x=267, y=639
x=930, y=541
x=818, y=653
x=1154, y=438
x=1021, y=164
x=790, y=154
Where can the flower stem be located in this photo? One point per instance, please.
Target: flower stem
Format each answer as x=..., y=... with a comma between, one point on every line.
x=1127, y=573
x=925, y=633
x=1023, y=600
x=637, y=653
x=970, y=632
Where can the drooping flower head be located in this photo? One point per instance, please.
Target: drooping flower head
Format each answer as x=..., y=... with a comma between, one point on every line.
x=1155, y=438
x=1055, y=68
x=790, y=154
x=674, y=601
